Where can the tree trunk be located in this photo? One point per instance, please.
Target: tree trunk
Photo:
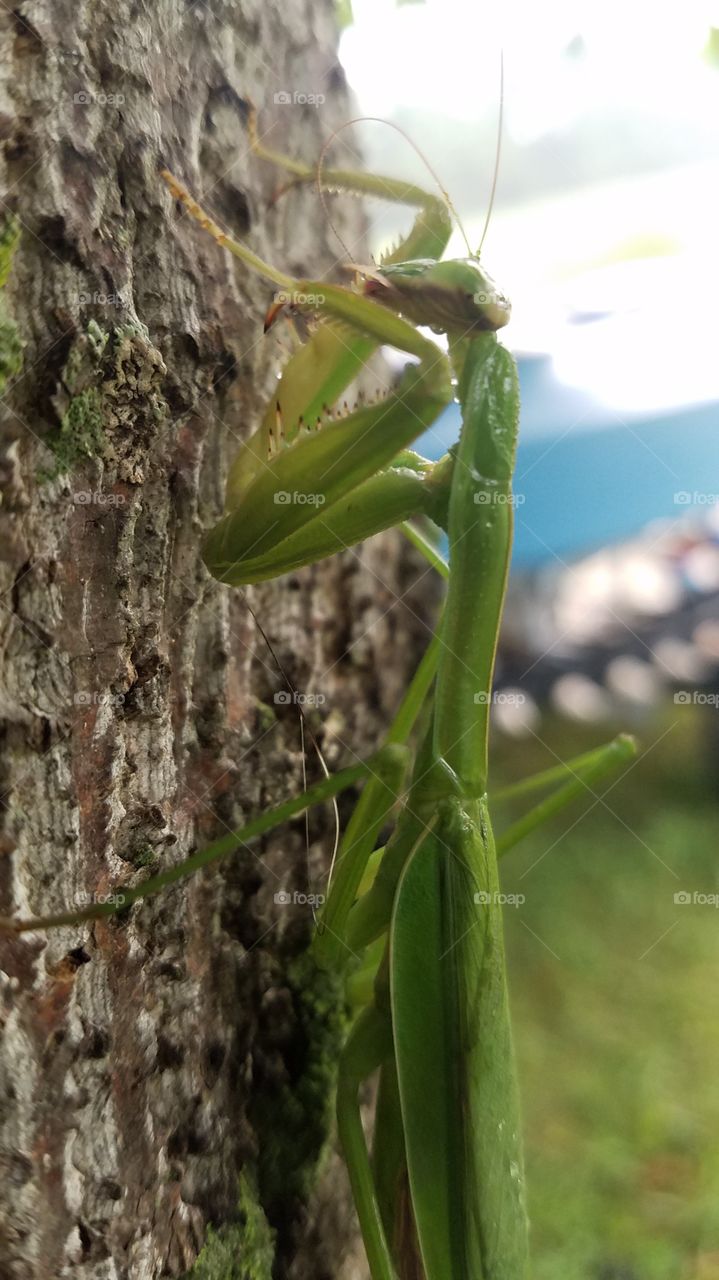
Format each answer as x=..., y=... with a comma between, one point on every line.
x=169, y=1070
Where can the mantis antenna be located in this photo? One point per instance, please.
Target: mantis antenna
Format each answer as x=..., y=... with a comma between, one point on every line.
x=398, y=129
x=304, y=726
x=497, y=154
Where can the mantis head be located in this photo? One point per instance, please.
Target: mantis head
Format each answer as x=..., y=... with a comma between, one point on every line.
x=450, y=297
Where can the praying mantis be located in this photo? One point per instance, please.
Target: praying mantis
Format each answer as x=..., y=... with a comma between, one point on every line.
x=416, y=925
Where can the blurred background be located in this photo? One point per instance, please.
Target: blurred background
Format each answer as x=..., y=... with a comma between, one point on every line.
x=603, y=234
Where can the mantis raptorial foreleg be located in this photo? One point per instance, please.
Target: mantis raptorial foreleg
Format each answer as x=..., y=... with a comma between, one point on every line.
x=344, y=476
x=432, y=228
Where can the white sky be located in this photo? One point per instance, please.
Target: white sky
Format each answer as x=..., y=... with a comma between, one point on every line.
x=550, y=252
x=446, y=53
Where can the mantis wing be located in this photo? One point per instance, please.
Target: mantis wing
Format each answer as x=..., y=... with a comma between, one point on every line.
x=454, y=1054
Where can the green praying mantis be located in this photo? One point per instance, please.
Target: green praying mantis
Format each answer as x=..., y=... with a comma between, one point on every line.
x=416, y=925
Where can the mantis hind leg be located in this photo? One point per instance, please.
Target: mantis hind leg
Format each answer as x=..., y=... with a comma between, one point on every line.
x=580, y=777
x=368, y=1046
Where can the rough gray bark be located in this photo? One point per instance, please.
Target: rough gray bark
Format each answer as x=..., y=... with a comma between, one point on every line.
x=145, y=1061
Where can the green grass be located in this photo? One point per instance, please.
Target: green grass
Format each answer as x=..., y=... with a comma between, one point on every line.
x=617, y=1027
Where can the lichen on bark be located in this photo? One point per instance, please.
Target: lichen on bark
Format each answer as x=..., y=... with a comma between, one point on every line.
x=241, y=1250
x=109, y=403
x=11, y=347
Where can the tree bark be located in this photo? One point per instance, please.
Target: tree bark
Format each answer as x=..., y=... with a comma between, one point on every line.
x=167, y=1071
